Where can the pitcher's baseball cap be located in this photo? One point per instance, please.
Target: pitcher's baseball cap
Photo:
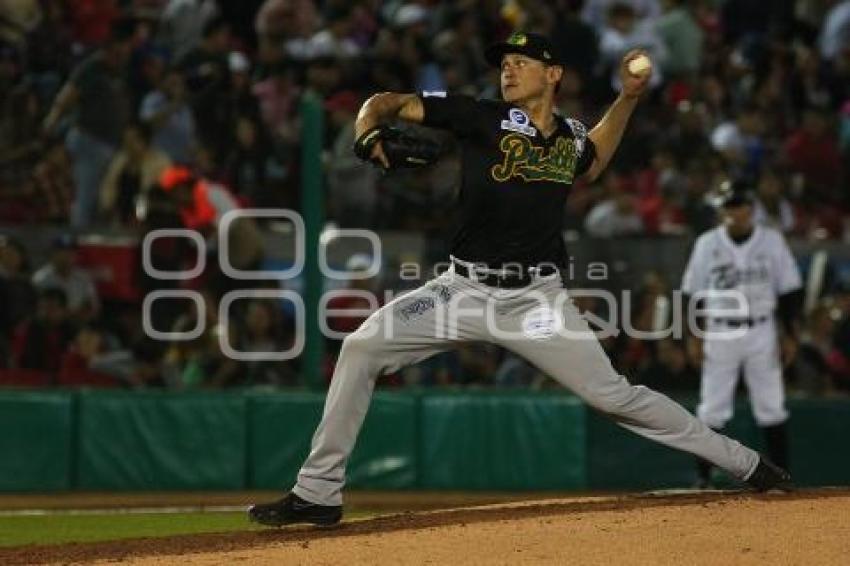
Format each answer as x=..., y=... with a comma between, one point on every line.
x=531, y=45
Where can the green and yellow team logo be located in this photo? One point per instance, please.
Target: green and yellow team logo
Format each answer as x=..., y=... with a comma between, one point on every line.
x=532, y=163
x=518, y=39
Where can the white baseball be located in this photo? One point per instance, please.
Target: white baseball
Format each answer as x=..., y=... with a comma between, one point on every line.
x=640, y=65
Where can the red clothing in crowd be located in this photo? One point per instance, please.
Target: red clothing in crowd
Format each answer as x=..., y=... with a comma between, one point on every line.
x=92, y=20
x=346, y=324
x=818, y=159
x=75, y=371
x=35, y=345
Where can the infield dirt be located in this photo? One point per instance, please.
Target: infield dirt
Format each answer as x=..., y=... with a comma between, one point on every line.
x=807, y=527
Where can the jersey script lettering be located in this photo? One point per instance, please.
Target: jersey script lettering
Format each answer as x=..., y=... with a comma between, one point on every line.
x=531, y=163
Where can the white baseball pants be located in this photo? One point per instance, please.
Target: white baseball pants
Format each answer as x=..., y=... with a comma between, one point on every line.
x=539, y=323
x=754, y=349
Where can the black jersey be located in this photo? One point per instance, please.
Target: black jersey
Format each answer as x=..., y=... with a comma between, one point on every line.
x=514, y=181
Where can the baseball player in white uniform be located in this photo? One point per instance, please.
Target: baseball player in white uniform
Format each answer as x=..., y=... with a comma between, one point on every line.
x=740, y=276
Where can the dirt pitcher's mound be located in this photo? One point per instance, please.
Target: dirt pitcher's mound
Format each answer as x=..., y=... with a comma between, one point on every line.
x=712, y=528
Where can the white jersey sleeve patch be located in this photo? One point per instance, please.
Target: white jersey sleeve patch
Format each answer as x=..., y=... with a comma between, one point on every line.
x=579, y=132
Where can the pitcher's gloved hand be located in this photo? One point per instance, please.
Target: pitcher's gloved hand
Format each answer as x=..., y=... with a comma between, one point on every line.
x=402, y=149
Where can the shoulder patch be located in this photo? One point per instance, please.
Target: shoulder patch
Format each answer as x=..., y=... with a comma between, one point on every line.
x=518, y=121
x=579, y=132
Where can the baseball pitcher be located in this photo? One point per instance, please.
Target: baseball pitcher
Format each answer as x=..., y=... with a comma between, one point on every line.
x=518, y=161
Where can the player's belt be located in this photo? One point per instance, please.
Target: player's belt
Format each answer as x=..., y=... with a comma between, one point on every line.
x=741, y=322
x=503, y=280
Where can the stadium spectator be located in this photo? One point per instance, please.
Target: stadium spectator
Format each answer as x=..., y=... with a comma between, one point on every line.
x=617, y=214
x=339, y=319
x=577, y=41
x=278, y=97
x=40, y=342
x=20, y=114
x=595, y=12
x=207, y=77
x=92, y=21
x=240, y=96
x=741, y=141
x=682, y=39
x=87, y=361
x=459, y=47
x=669, y=369
x=17, y=295
x=200, y=205
x=812, y=84
x=134, y=171
x=623, y=32
x=249, y=164
x=284, y=27
x=835, y=33
x=352, y=184
x=771, y=205
x=334, y=40
x=145, y=71
x=80, y=296
x=51, y=190
x=20, y=150
x=182, y=24
x=167, y=113
x=49, y=53
x=97, y=90
x=199, y=362
x=812, y=151
x=19, y=19
x=261, y=332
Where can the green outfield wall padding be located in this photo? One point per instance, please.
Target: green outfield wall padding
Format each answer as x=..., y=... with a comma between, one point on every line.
x=472, y=440
x=386, y=454
x=36, y=441
x=619, y=459
x=282, y=425
x=819, y=444
x=141, y=441
x=508, y=440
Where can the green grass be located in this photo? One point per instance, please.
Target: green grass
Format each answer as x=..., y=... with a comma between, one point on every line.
x=55, y=529
x=61, y=528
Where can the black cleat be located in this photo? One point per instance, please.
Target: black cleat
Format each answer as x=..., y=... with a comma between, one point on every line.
x=768, y=475
x=292, y=510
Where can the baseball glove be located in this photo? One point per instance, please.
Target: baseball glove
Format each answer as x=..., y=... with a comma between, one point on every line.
x=403, y=150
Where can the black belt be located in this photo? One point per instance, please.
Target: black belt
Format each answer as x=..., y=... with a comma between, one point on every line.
x=504, y=280
x=741, y=322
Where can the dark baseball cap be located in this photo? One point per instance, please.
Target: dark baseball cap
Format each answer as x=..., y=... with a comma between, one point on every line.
x=735, y=193
x=531, y=45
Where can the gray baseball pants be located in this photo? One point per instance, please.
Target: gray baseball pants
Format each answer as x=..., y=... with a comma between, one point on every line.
x=539, y=323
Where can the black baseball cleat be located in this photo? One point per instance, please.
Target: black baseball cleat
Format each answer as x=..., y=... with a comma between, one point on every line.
x=292, y=510
x=768, y=475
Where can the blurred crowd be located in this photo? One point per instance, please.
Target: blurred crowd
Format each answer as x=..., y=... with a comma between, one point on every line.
x=142, y=114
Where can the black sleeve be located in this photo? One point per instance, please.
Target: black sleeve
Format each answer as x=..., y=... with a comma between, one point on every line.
x=456, y=113
x=789, y=307
x=586, y=158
